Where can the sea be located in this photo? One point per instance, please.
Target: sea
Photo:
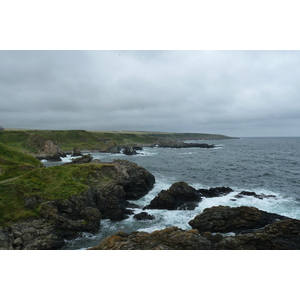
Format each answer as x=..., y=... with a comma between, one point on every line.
x=264, y=165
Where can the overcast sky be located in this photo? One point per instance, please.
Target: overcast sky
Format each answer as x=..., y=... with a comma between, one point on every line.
x=236, y=93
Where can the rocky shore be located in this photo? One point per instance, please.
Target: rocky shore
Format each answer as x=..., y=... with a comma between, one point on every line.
x=216, y=228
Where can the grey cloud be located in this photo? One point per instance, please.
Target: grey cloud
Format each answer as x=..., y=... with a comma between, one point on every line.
x=240, y=93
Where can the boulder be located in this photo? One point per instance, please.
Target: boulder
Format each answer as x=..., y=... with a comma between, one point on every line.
x=172, y=238
x=179, y=196
x=233, y=219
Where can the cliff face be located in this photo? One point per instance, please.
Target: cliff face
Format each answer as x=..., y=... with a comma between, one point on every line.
x=60, y=202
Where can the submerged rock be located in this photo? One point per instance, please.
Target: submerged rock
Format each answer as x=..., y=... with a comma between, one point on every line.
x=143, y=216
x=233, y=219
x=179, y=196
x=172, y=238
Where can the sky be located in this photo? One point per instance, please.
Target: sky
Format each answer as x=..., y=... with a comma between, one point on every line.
x=236, y=93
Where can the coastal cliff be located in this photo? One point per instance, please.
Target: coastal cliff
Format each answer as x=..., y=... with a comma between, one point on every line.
x=42, y=207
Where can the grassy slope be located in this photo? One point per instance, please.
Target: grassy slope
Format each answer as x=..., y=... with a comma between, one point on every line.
x=14, y=163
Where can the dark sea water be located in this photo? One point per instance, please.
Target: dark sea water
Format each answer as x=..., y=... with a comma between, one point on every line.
x=263, y=165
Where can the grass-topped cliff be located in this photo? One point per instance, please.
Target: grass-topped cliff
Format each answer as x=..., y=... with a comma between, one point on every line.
x=32, y=140
x=40, y=185
x=71, y=196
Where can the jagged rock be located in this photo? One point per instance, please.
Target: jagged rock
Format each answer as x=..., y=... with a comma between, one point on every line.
x=281, y=235
x=137, y=181
x=30, y=235
x=253, y=194
x=233, y=219
x=128, y=150
x=179, y=196
x=215, y=192
x=143, y=216
x=172, y=238
x=51, y=151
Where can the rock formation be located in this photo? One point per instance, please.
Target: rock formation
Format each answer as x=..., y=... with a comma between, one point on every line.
x=179, y=196
x=233, y=219
x=180, y=144
x=172, y=238
x=50, y=151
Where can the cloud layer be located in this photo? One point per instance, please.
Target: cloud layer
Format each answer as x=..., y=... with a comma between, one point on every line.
x=237, y=93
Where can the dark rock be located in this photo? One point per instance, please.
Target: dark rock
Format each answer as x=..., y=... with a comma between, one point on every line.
x=233, y=219
x=281, y=235
x=179, y=144
x=137, y=181
x=76, y=152
x=31, y=235
x=179, y=196
x=81, y=160
x=172, y=238
x=253, y=194
x=144, y=216
x=139, y=148
x=215, y=192
x=128, y=151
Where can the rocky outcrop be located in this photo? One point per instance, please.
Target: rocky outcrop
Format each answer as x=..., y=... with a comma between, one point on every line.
x=172, y=238
x=50, y=151
x=215, y=192
x=233, y=219
x=179, y=196
x=30, y=235
x=281, y=235
x=76, y=152
x=253, y=194
x=179, y=144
